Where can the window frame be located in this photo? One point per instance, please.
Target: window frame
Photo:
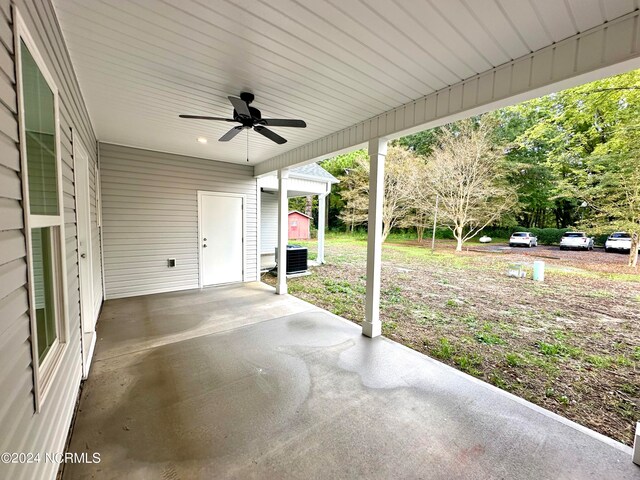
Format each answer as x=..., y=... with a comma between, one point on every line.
x=45, y=372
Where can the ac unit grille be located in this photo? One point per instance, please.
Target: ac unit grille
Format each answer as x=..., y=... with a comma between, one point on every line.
x=296, y=259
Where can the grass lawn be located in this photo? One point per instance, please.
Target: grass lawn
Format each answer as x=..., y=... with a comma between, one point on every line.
x=570, y=344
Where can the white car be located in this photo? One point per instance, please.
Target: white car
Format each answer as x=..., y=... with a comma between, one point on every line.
x=618, y=242
x=523, y=239
x=576, y=240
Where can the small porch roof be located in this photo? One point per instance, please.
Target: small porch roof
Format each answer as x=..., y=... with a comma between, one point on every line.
x=310, y=179
x=178, y=390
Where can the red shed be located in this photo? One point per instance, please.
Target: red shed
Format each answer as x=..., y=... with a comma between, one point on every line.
x=299, y=226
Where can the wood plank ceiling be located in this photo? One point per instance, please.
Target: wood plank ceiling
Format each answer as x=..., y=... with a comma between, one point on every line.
x=332, y=63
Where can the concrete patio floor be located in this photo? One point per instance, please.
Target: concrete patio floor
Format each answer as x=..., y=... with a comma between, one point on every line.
x=236, y=382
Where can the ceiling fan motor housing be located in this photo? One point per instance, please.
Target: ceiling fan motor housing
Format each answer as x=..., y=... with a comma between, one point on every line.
x=247, y=97
x=255, y=118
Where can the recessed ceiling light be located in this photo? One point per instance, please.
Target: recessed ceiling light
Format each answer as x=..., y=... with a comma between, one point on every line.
x=202, y=140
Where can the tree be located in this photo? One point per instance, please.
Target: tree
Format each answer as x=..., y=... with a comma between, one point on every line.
x=355, y=194
x=419, y=217
x=401, y=169
x=590, y=136
x=339, y=166
x=614, y=197
x=526, y=167
x=466, y=172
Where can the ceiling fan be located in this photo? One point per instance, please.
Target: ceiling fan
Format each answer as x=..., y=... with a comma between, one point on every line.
x=250, y=117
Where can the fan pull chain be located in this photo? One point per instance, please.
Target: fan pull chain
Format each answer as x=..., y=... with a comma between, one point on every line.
x=247, y=144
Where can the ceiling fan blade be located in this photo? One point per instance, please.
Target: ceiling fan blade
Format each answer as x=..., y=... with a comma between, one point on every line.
x=241, y=106
x=271, y=135
x=200, y=117
x=283, y=122
x=230, y=134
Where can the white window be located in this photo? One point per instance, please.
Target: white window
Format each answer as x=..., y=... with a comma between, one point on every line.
x=43, y=207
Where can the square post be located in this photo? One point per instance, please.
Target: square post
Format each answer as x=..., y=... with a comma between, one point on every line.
x=322, y=212
x=636, y=445
x=372, y=327
x=283, y=231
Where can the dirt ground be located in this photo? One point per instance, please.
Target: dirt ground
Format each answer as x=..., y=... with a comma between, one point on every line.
x=570, y=344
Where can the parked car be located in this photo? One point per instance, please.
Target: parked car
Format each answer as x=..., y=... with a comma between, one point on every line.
x=576, y=240
x=618, y=242
x=523, y=239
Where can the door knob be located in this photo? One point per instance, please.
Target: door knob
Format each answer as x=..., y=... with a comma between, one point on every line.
x=204, y=239
x=204, y=246
x=83, y=255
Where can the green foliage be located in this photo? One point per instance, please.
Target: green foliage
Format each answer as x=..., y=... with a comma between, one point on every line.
x=422, y=143
x=468, y=363
x=489, y=338
x=548, y=236
x=514, y=359
x=444, y=350
x=339, y=166
x=559, y=349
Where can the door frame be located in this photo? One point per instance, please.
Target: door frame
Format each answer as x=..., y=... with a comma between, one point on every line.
x=243, y=197
x=85, y=285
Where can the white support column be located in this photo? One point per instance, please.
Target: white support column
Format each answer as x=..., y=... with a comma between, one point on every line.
x=636, y=445
x=283, y=231
x=322, y=213
x=372, y=327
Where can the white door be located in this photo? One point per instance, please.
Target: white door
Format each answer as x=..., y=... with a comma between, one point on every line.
x=221, y=238
x=85, y=257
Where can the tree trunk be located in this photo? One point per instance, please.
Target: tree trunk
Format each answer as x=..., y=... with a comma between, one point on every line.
x=458, y=236
x=308, y=207
x=633, y=253
x=385, y=231
x=420, y=233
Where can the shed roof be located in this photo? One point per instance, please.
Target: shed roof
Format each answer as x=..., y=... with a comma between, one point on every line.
x=296, y=211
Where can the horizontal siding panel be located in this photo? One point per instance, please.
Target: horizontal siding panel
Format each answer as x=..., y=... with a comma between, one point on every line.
x=164, y=167
x=11, y=346
x=150, y=214
x=13, y=246
x=8, y=123
x=10, y=183
x=8, y=93
x=124, y=293
x=6, y=64
x=12, y=274
x=11, y=216
x=9, y=154
x=227, y=183
x=22, y=429
x=268, y=223
x=12, y=306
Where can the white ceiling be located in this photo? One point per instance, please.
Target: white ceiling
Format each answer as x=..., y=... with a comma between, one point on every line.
x=332, y=63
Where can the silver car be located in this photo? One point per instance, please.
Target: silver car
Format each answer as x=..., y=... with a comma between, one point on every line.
x=523, y=239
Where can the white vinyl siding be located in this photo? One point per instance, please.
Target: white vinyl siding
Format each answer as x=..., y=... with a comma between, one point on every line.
x=23, y=429
x=150, y=214
x=268, y=223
